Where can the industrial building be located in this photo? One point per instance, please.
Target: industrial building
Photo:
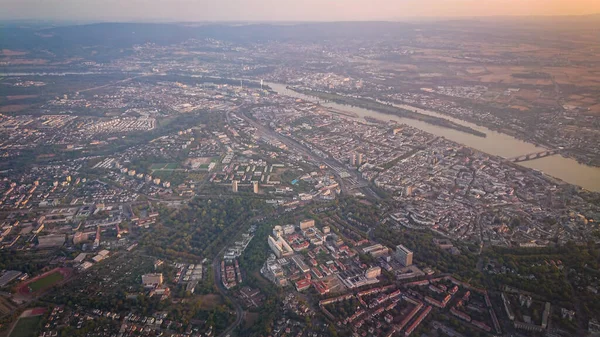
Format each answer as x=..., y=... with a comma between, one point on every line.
x=152, y=279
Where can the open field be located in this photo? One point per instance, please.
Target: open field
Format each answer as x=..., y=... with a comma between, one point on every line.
x=27, y=327
x=8, y=52
x=595, y=110
x=18, y=61
x=163, y=166
x=519, y=107
x=210, y=301
x=17, y=97
x=13, y=108
x=250, y=318
x=44, y=281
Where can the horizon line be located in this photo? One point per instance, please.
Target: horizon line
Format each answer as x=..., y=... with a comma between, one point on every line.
x=399, y=19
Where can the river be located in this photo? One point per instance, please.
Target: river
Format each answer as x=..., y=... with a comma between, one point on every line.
x=496, y=143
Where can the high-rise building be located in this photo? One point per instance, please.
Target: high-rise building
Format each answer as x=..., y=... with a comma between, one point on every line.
x=404, y=255
x=97, y=239
x=353, y=159
x=360, y=159
x=255, y=186
x=409, y=190
x=234, y=186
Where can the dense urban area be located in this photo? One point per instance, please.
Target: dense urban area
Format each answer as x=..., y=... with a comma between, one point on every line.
x=320, y=179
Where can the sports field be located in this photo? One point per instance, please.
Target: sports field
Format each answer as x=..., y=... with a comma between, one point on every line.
x=27, y=327
x=46, y=281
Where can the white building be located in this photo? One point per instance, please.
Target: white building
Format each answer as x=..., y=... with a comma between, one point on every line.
x=280, y=247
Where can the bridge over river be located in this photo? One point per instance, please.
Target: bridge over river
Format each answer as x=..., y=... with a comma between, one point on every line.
x=534, y=155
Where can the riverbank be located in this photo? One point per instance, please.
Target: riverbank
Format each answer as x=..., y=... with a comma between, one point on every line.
x=496, y=143
x=387, y=109
x=580, y=156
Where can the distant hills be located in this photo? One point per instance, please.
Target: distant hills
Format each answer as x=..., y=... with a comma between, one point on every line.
x=28, y=37
x=59, y=39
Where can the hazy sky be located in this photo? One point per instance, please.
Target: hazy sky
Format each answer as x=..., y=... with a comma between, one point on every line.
x=283, y=10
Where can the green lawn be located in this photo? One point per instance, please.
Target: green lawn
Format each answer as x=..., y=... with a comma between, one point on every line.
x=27, y=327
x=46, y=282
x=157, y=166
x=163, y=166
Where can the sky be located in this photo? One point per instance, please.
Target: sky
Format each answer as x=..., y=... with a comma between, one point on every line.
x=283, y=10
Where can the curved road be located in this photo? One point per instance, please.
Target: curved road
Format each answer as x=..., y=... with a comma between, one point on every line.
x=239, y=312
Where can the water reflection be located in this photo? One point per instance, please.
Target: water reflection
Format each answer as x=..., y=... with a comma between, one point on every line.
x=495, y=143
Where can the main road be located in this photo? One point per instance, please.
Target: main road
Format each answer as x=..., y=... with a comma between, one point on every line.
x=239, y=311
x=361, y=183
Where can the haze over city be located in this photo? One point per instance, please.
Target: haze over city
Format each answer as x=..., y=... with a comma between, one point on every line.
x=284, y=10
x=306, y=168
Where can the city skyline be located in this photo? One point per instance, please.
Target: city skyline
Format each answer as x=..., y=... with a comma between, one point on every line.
x=269, y=10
